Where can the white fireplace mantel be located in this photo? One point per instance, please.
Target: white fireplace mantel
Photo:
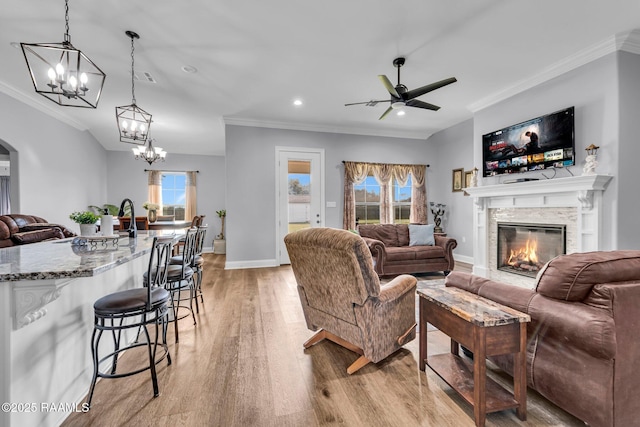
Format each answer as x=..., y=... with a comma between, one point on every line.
x=582, y=187
x=581, y=192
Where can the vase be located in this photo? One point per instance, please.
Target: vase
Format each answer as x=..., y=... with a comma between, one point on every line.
x=153, y=215
x=88, y=230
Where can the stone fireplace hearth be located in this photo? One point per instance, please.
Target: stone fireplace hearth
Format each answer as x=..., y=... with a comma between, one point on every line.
x=574, y=203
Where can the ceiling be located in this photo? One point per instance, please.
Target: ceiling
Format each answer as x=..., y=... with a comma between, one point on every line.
x=254, y=57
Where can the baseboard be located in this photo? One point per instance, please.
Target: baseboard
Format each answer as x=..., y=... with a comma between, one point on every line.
x=261, y=263
x=463, y=258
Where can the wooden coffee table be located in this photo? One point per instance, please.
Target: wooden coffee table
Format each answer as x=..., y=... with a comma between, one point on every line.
x=487, y=329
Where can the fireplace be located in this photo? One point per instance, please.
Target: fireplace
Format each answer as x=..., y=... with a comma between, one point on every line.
x=525, y=248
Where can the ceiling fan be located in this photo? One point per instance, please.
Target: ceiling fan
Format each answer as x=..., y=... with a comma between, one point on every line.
x=401, y=96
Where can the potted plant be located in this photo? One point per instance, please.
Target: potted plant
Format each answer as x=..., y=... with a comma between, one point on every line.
x=219, y=244
x=87, y=221
x=152, y=209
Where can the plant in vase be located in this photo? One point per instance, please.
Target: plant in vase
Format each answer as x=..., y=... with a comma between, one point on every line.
x=152, y=209
x=222, y=214
x=87, y=221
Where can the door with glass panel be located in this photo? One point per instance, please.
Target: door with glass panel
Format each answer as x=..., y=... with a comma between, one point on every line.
x=300, y=194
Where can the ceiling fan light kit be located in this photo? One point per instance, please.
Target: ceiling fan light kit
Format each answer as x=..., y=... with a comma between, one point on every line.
x=401, y=96
x=134, y=123
x=62, y=73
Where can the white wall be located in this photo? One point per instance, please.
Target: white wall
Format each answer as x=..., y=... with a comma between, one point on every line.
x=250, y=167
x=127, y=179
x=628, y=165
x=56, y=168
x=453, y=150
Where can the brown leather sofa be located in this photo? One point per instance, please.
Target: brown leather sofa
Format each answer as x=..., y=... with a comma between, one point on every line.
x=584, y=336
x=389, y=246
x=16, y=229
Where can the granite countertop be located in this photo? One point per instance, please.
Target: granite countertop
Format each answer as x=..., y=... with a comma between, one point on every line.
x=471, y=307
x=59, y=259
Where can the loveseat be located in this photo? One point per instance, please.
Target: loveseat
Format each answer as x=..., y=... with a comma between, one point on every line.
x=583, y=342
x=390, y=246
x=16, y=229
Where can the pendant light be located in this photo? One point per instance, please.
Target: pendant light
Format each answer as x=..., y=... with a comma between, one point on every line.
x=149, y=153
x=134, y=123
x=62, y=73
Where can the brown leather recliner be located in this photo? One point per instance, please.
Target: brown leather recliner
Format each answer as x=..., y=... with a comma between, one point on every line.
x=17, y=229
x=341, y=295
x=583, y=339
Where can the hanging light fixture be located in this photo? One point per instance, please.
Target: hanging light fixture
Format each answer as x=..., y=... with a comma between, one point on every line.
x=133, y=122
x=62, y=73
x=149, y=153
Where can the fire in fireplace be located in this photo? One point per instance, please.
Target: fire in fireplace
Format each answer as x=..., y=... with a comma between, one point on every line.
x=525, y=248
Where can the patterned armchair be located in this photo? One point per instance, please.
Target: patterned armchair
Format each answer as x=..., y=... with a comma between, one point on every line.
x=342, y=297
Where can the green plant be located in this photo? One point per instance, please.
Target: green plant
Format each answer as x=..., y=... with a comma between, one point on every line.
x=84, y=217
x=221, y=214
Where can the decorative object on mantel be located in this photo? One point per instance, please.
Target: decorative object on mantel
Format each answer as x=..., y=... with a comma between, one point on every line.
x=219, y=243
x=62, y=73
x=134, y=123
x=438, y=211
x=590, y=162
x=87, y=221
x=149, y=153
x=457, y=179
x=152, y=209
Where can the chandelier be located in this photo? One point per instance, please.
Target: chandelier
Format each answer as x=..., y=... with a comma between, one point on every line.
x=62, y=73
x=149, y=153
x=133, y=122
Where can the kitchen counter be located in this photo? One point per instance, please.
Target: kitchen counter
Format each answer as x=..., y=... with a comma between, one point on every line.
x=47, y=291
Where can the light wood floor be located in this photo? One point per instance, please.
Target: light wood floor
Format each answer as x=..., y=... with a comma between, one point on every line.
x=244, y=365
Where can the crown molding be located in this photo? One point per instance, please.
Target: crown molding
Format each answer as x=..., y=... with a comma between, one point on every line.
x=46, y=108
x=628, y=41
x=235, y=121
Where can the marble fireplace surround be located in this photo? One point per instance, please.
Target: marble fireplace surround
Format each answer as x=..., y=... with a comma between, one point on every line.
x=573, y=201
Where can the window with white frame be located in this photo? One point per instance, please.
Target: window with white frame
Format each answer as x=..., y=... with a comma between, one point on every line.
x=401, y=202
x=174, y=194
x=367, y=197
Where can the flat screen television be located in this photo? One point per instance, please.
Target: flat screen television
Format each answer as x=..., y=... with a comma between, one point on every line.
x=541, y=143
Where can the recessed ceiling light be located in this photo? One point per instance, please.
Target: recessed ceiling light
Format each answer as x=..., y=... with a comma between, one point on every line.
x=190, y=69
x=401, y=113
x=297, y=102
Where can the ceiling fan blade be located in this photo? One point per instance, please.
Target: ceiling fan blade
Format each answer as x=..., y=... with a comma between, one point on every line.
x=387, y=84
x=371, y=103
x=422, y=104
x=390, y=109
x=428, y=88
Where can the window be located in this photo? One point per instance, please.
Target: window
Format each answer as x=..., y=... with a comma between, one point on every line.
x=401, y=202
x=367, y=197
x=174, y=194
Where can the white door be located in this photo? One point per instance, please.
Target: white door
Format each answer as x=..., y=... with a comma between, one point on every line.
x=300, y=195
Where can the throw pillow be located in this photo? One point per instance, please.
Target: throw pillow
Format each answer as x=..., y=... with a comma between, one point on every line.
x=420, y=235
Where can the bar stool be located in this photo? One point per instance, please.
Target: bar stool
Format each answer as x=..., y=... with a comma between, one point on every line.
x=138, y=307
x=196, y=263
x=180, y=279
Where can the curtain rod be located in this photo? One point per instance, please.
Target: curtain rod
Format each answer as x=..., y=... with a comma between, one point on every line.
x=166, y=170
x=374, y=163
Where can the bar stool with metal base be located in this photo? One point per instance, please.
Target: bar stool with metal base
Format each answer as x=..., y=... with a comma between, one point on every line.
x=196, y=263
x=180, y=280
x=135, y=308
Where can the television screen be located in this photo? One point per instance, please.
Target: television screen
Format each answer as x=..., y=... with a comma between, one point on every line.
x=541, y=143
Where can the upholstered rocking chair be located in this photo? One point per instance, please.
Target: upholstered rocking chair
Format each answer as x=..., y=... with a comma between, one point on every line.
x=342, y=297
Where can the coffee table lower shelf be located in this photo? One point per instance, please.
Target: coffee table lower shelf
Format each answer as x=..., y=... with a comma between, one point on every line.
x=458, y=374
